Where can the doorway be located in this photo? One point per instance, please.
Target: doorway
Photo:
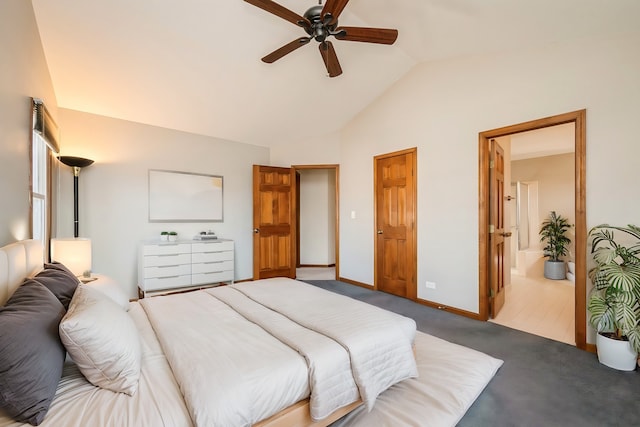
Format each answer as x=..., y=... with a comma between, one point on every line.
x=276, y=219
x=540, y=178
x=487, y=268
x=317, y=198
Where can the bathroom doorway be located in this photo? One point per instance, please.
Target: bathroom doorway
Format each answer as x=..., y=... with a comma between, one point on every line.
x=489, y=271
x=541, y=172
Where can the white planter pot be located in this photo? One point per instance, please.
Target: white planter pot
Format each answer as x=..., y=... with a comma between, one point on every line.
x=616, y=354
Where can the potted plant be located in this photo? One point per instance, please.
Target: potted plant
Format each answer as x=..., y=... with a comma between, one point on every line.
x=614, y=302
x=173, y=236
x=556, y=244
x=164, y=236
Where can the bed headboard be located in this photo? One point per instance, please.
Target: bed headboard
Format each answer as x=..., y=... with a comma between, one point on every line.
x=17, y=261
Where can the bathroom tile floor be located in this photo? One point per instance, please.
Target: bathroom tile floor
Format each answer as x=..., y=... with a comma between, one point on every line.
x=541, y=307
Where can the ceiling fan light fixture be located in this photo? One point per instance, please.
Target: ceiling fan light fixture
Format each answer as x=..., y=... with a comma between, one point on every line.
x=320, y=22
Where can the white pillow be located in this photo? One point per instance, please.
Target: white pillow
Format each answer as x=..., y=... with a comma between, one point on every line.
x=112, y=289
x=102, y=340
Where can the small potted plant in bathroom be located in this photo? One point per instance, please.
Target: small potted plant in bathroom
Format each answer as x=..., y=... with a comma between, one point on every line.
x=614, y=301
x=552, y=234
x=173, y=236
x=164, y=236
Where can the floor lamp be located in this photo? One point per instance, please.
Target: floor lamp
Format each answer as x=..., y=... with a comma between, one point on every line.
x=74, y=253
x=76, y=163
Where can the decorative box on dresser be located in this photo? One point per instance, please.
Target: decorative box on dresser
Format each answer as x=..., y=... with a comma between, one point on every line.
x=165, y=267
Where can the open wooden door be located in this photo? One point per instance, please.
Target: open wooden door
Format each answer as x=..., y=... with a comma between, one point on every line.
x=274, y=222
x=496, y=228
x=395, y=208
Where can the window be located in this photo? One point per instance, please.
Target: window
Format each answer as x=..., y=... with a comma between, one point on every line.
x=39, y=181
x=43, y=143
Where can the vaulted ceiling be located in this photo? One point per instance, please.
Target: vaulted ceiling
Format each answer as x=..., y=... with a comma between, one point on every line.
x=194, y=65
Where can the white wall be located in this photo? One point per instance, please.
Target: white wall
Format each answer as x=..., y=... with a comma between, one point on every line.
x=555, y=178
x=441, y=107
x=23, y=74
x=318, y=149
x=113, y=199
x=317, y=217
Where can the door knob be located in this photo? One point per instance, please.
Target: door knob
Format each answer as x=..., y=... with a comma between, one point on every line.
x=256, y=230
x=507, y=234
x=379, y=231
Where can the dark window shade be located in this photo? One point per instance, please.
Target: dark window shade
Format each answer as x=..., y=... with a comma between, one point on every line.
x=43, y=124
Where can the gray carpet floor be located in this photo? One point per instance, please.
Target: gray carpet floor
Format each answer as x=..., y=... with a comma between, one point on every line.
x=541, y=383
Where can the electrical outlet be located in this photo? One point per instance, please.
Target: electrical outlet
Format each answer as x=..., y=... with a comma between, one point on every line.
x=430, y=285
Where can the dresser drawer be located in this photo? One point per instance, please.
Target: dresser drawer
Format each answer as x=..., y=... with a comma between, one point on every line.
x=219, y=246
x=160, y=283
x=198, y=257
x=166, y=260
x=167, y=271
x=216, y=277
x=167, y=249
x=212, y=267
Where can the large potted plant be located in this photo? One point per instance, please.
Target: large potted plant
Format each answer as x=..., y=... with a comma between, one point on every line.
x=552, y=234
x=614, y=302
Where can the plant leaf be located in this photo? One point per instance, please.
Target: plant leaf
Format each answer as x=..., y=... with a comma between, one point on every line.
x=600, y=313
x=622, y=277
x=634, y=338
x=604, y=255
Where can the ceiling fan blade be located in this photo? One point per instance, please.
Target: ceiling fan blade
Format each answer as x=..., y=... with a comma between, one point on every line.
x=367, y=35
x=280, y=11
x=333, y=8
x=330, y=59
x=286, y=49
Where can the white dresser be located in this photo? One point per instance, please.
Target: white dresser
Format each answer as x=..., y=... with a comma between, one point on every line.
x=168, y=266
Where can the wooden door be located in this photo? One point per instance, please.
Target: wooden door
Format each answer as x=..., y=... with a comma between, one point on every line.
x=395, y=208
x=496, y=228
x=274, y=222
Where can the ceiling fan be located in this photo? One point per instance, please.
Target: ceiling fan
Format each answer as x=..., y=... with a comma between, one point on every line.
x=320, y=22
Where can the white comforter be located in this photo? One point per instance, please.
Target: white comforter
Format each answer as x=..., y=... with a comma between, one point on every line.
x=232, y=373
x=379, y=342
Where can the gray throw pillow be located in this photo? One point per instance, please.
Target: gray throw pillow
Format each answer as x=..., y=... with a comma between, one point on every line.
x=60, y=281
x=31, y=353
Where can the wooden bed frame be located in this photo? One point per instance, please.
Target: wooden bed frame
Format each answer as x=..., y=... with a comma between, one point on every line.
x=26, y=258
x=297, y=415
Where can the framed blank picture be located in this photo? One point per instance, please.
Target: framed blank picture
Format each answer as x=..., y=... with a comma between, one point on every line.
x=184, y=197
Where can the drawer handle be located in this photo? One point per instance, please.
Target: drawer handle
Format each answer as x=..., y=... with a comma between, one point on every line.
x=166, y=255
x=213, y=262
x=214, y=272
x=168, y=266
x=167, y=277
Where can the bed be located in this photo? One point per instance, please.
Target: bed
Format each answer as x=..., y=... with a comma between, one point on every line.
x=268, y=374
x=274, y=352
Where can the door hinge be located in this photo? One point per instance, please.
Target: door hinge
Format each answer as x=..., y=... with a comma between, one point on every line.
x=491, y=164
x=492, y=228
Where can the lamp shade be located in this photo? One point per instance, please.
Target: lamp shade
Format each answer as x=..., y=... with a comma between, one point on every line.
x=75, y=162
x=73, y=253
